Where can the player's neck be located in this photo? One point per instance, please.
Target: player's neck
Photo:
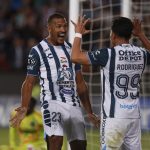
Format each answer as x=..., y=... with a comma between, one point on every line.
x=51, y=41
x=121, y=41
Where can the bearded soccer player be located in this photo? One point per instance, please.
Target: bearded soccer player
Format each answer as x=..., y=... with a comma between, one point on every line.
x=62, y=88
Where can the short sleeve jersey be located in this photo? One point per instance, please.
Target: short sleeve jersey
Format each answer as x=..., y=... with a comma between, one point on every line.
x=122, y=68
x=56, y=72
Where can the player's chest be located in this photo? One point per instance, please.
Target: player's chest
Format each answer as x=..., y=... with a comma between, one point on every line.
x=56, y=60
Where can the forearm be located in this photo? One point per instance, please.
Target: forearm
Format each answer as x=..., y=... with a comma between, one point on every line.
x=76, y=49
x=84, y=97
x=26, y=92
x=145, y=41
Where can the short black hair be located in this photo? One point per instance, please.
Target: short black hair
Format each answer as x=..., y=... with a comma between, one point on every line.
x=55, y=16
x=122, y=27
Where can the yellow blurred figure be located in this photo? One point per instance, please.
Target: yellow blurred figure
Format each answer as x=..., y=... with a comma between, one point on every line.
x=29, y=135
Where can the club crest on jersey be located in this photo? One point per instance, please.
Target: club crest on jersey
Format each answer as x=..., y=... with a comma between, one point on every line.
x=65, y=73
x=65, y=80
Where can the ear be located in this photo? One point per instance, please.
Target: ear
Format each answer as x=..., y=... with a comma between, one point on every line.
x=49, y=28
x=113, y=35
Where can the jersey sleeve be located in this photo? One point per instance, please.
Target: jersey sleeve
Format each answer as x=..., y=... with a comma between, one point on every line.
x=98, y=57
x=77, y=67
x=33, y=63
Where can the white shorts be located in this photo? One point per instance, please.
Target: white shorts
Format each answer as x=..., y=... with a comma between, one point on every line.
x=120, y=134
x=60, y=118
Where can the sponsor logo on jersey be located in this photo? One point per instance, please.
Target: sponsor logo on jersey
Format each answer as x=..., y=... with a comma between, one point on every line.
x=50, y=55
x=129, y=55
x=67, y=91
x=31, y=62
x=125, y=106
x=97, y=52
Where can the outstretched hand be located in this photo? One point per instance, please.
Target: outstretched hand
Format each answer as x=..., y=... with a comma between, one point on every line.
x=19, y=116
x=94, y=119
x=80, y=25
x=137, y=29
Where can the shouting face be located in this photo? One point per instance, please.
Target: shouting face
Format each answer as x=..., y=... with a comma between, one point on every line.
x=58, y=31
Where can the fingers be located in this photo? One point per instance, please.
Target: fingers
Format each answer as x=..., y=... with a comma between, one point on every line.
x=94, y=119
x=136, y=21
x=16, y=120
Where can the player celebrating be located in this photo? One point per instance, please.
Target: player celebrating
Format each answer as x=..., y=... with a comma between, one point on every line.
x=122, y=68
x=60, y=81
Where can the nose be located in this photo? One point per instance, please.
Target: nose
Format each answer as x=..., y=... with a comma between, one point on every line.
x=63, y=29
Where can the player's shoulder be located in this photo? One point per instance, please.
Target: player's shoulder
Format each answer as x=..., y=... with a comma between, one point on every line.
x=41, y=43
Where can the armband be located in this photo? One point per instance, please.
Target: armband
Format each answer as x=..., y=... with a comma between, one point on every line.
x=79, y=35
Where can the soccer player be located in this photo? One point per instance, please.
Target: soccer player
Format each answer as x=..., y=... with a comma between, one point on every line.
x=62, y=88
x=30, y=131
x=122, y=68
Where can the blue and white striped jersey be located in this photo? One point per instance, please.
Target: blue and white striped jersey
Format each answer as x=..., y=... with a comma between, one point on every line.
x=122, y=68
x=56, y=72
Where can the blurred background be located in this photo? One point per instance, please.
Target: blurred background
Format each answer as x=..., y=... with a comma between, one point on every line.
x=23, y=23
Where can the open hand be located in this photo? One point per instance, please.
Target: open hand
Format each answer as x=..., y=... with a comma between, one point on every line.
x=16, y=120
x=137, y=30
x=80, y=25
x=94, y=119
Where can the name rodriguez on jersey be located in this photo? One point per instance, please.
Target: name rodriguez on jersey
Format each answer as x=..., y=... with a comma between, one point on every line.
x=131, y=57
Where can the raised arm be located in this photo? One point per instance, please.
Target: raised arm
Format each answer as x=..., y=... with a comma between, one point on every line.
x=137, y=31
x=77, y=55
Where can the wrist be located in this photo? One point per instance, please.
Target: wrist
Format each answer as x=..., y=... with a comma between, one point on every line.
x=89, y=114
x=141, y=35
x=79, y=35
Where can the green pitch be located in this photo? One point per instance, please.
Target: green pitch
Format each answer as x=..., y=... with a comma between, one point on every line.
x=92, y=140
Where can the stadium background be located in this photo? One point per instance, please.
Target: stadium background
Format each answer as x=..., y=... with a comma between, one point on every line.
x=23, y=24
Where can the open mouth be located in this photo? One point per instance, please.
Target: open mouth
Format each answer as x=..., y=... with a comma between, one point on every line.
x=61, y=35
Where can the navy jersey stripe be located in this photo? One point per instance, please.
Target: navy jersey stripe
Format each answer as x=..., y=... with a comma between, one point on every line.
x=69, y=44
x=144, y=56
x=111, y=80
x=103, y=96
x=57, y=66
x=70, y=65
x=67, y=55
x=51, y=87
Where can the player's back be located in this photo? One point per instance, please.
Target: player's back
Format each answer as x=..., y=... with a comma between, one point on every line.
x=122, y=80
